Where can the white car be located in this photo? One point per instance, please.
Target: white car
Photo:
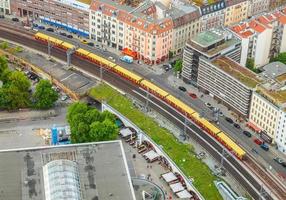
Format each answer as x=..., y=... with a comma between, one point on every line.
x=64, y=97
x=208, y=105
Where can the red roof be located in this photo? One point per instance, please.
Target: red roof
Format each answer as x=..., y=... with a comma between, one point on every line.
x=282, y=19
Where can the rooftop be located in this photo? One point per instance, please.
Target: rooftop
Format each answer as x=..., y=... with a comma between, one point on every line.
x=273, y=70
x=274, y=92
x=21, y=174
x=242, y=74
x=214, y=41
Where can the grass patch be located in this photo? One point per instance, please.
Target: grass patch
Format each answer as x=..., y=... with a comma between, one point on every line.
x=181, y=154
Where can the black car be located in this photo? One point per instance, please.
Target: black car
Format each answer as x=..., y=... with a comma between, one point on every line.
x=69, y=36
x=2, y=16
x=63, y=34
x=182, y=88
x=41, y=27
x=90, y=44
x=248, y=134
x=283, y=164
x=278, y=160
x=229, y=120
x=50, y=29
x=236, y=125
x=14, y=19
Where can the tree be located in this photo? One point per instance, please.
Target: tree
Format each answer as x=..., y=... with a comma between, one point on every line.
x=280, y=58
x=89, y=125
x=14, y=98
x=178, y=66
x=102, y=131
x=3, y=64
x=19, y=80
x=45, y=96
x=4, y=45
x=250, y=63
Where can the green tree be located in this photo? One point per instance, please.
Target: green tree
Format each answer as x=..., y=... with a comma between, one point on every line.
x=178, y=66
x=45, y=96
x=74, y=109
x=250, y=63
x=4, y=45
x=19, y=80
x=14, y=98
x=280, y=58
x=103, y=131
x=3, y=64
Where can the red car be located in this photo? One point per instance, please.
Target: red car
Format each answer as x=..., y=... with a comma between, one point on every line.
x=193, y=95
x=257, y=141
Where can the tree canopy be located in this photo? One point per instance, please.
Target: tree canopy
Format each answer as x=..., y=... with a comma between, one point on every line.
x=280, y=58
x=45, y=96
x=89, y=125
x=178, y=65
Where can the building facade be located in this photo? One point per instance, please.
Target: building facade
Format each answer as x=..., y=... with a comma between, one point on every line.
x=223, y=78
x=208, y=44
x=70, y=14
x=268, y=105
x=262, y=37
x=5, y=7
x=212, y=16
x=235, y=11
x=257, y=6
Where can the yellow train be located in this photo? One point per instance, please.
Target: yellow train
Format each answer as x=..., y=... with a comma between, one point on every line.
x=152, y=88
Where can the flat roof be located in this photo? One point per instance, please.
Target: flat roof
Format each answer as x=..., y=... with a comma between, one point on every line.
x=101, y=176
x=274, y=92
x=242, y=74
x=207, y=38
x=274, y=69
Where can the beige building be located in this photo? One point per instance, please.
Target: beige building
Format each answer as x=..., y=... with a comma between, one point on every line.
x=236, y=11
x=268, y=105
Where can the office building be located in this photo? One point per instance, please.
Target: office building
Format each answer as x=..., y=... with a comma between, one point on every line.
x=208, y=44
x=228, y=82
x=78, y=171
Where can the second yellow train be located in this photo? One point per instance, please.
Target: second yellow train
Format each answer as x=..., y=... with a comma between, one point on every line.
x=152, y=88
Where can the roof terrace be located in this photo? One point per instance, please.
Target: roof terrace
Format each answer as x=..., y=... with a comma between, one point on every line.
x=235, y=70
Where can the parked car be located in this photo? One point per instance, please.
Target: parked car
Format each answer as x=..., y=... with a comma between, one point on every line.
x=70, y=36
x=183, y=89
x=166, y=68
x=50, y=29
x=283, y=164
x=64, y=97
x=264, y=146
x=84, y=41
x=220, y=114
x=14, y=19
x=193, y=95
x=278, y=160
x=236, y=125
x=248, y=134
x=63, y=34
x=2, y=16
x=90, y=44
x=229, y=120
x=111, y=58
x=208, y=105
x=257, y=141
x=41, y=27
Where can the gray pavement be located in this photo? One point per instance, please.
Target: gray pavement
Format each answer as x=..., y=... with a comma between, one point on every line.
x=22, y=132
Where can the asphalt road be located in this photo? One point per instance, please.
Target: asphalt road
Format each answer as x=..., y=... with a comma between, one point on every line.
x=241, y=175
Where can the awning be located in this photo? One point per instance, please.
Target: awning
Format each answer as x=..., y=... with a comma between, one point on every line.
x=177, y=187
x=125, y=132
x=253, y=127
x=184, y=194
x=151, y=155
x=169, y=177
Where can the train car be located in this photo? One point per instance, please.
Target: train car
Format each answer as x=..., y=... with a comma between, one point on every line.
x=182, y=107
x=127, y=74
x=205, y=124
x=46, y=38
x=66, y=45
x=94, y=58
x=147, y=85
x=107, y=64
x=82, y=53
x=231, y=145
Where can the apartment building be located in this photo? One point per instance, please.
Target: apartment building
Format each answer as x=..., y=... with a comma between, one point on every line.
x=70, y=14
x=5, y=7
x=212, y=15
x=262, y=37
x=257, y=7
x=186, y=24
x=208, y=44
x=273, y=4
x=235, y=11
x=268, y=105
x=137, y=29
x=227, y=81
